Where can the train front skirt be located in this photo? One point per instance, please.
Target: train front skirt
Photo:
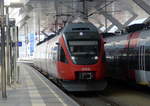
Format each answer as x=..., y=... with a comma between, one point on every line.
x=78, y=85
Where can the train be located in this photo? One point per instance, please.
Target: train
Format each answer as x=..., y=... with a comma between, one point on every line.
x=128, y=54
x=74, y=58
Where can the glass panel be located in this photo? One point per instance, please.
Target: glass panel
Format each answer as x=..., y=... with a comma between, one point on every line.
x=83, y=47
x=84, y=52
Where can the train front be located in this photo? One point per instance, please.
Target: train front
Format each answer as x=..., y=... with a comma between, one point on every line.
x=82, y=66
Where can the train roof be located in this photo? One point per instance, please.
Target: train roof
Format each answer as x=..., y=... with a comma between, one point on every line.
x=136, y=27
x=81, y=26
x=129, y=29
x=74, y=27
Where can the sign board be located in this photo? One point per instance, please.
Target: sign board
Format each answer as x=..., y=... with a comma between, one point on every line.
x=19, y=44
x=31, y=37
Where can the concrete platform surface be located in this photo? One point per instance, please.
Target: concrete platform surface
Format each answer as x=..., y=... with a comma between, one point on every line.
x=35, y=90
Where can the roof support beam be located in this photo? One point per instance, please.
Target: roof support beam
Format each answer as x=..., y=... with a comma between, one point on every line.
x=127, y=6
x=126, y=23
x=143, y=5
x=113, y=20
x=109, y=28
x=99, y=28
x=130, y=19
x=147, y=20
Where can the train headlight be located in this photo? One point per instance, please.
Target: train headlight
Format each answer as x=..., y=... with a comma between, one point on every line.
x=81, y=33
x=73, y=58
x=96, y=57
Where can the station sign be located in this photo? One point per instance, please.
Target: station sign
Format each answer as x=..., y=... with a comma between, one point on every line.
x=19, y=44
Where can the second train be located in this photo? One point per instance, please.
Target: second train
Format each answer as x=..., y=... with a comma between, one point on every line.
x=128, y=54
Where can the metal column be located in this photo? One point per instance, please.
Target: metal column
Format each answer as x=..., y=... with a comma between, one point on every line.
x=106, y=18
x=11, y=56
x=39, y=27
x=14, y=54
x=143, y=5
x=8, y=47
x=58, y=12
x=17, y=55
x=3, y=67
x=85, y=10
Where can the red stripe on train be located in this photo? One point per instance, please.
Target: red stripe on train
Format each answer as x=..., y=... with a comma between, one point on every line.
x=132, y=43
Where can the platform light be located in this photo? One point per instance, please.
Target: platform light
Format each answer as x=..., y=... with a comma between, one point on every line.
x=14, y=3
x=8, y=2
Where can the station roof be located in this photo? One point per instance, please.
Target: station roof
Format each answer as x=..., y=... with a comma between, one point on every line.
x=42, y=14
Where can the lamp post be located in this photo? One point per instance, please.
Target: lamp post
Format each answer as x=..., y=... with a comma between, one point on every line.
x=105, y=17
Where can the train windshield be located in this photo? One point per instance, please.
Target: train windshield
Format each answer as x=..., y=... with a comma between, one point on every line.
x=84, y=52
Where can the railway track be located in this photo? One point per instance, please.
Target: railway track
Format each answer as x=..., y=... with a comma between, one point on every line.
x=87, y=98
x=117, y=94
x=93, y=100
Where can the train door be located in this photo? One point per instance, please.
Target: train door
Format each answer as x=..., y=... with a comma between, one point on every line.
x=141, y=73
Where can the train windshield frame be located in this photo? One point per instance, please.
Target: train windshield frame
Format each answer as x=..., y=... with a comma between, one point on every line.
x=84, y=52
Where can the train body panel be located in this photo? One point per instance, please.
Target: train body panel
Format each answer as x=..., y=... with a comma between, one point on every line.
x=52, y=55
x=128, y=56
x=75, y=56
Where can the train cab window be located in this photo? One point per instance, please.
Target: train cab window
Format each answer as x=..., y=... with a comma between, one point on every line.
x=83, y=48
x=84, y=52
x=62, y=56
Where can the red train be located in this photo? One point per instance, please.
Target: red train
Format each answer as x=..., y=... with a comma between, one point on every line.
x=128, y=54
x=74, y=58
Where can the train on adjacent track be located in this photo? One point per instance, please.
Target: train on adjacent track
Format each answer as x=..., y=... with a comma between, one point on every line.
x=74, y=58
x=128, y=54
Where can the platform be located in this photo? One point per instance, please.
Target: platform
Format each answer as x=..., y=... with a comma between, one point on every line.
x=35, y=90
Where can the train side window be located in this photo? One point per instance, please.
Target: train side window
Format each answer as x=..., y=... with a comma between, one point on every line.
x=62, y=56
